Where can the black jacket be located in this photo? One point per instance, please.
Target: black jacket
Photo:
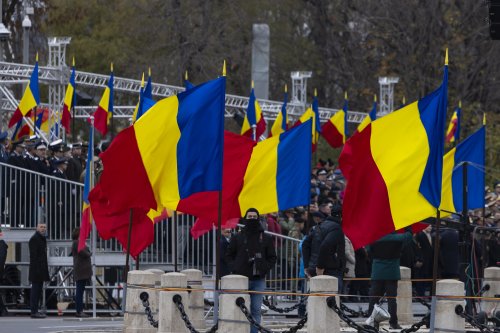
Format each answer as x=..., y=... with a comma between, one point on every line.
x=3, y=256
x=331, y=255
x=39, y=267
x=242, y=261
x=82, y=265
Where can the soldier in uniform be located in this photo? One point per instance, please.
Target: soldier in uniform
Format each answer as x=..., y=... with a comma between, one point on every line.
x=59, y=197
x=75, y=163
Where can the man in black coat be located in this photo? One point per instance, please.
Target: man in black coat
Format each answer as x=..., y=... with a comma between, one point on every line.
x=39, y=268
x=251, y=253
x=3, y=258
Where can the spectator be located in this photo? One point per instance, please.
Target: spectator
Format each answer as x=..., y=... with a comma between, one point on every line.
x=362, y=270
x=350, y=260
x=224, y=243
x=287, y=222
x=251, y=253
x=3, y=258
x=386, y=253
x=82, y=271
x=293, y=251
x=38, y=269
x=425, y=247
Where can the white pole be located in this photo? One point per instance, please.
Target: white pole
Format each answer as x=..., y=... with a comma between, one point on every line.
x=254, y=133
x=90, y=164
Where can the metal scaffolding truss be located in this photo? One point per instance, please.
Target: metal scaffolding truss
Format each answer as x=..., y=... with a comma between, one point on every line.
x=11, y=73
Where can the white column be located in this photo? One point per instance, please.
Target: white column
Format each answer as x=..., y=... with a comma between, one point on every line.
x=170, y=318
x=231, y=319
x=196, y=304
x=405, y=311
x=492, y=279
x=445, y=318
x=135, y=320
x=320, y=318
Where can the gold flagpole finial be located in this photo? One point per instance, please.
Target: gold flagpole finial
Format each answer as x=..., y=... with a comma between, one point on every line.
x=253, y=85
x=142, y=80
x=460, y=104
x=446, y=58
x=375, y=98
x=186, y=77
x=111, y=67
x=315, y=92
x=149, y=71
x=286, y=88
x=484, y=119
x=224, y=68
x=345, y=95
x=73, y=61
x=404, y=100
x=36, y=58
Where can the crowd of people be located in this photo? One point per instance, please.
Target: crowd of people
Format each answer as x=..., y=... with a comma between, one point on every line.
x=324, y=249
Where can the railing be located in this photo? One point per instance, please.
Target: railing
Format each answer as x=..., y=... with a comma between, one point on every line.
x=28, y=197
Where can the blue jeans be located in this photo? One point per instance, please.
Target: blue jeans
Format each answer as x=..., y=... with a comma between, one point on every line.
x=80, y=288
x=256, y=300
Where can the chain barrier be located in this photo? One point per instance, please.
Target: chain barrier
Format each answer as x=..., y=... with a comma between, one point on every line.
x=415, y=327
x=240, y=302
x=144, y=296
x=422, y=301
x=459, y=310
x=332, y=304
x=354, y=313
x=283, y=310
x=177, y=299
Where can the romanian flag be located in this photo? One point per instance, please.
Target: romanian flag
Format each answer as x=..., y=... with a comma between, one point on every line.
x=371, y=116
x=278, y=175
x=104, y=111
x=472, y=151
x=86, y=223
x=395, y=166
x=30, y=99
x=69, y=100
x=173, y=152
x=453, y=132
x=335, y=129
x=253, y=119
x=281, y=123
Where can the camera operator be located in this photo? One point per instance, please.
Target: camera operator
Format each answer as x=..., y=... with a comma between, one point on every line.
x=251, y=253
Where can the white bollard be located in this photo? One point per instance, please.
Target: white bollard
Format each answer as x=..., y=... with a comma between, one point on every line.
x=492, y=279
x=135, y=320
x=170, y=320
x=231, y=319
x=446, y=320
x=320, y=318
x=196, y=304
x=405, y=311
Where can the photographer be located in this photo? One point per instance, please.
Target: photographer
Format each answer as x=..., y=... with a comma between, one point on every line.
x=251, y=253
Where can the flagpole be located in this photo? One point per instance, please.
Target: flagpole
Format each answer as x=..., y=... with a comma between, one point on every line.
x=465, y=220
x=435, y=270
x=90, y=164
x=176, y=241
x=73, y=134
x=254, y=132
x=129, y=236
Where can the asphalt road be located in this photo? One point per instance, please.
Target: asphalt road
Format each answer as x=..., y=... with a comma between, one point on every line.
x=25, y=324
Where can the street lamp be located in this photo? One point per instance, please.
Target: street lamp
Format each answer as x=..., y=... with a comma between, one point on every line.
x=26, y=39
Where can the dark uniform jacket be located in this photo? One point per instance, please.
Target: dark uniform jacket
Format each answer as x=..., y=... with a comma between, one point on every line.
x=331, y=256
x=82, y=264
x=39, y=267
x=386, y=253
x=251, y=253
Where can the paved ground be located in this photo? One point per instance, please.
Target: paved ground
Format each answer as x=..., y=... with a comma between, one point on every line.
x=23, y=323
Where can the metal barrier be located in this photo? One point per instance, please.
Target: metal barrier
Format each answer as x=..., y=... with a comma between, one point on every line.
x=27, y=197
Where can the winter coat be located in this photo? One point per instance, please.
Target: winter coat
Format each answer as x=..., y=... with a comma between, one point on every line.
x=386, y=253
x=331, y=241
x=251, y=253
x=39, y=267
x=82, y=264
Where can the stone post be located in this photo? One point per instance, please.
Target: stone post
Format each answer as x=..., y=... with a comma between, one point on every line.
x=196, y=303
x=231, y=319
x=320, y=318
x=446, y=320
x=170, y=320
x=491, y=278
x=135, y=320
x=405, y=311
